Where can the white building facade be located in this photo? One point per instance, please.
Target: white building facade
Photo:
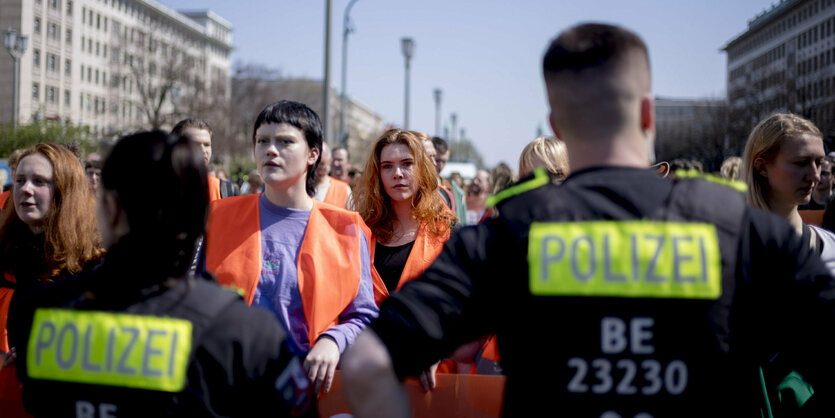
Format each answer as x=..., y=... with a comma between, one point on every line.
x=103, y=63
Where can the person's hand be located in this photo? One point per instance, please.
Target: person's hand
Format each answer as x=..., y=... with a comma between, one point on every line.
x=9, y=357
x=320, y=363
x=427, y=377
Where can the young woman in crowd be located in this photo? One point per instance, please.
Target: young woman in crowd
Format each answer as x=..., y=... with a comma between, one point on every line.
x=781, y=165
x=47, y=232
x=398, y=199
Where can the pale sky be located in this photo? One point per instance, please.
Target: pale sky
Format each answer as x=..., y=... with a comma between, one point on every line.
x=485, y=55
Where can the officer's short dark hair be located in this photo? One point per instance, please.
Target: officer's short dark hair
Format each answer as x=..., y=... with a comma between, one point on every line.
x=196, y=123
x=591, y=45
x=441, y=146
x=594, y=73
x=162, y=185
x=302, y=117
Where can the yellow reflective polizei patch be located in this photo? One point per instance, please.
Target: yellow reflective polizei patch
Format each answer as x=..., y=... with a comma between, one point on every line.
x=111, y=349
x=644, y=259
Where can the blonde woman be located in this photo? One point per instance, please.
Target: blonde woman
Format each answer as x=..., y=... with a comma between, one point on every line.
x=781, y=165
x=547, y=152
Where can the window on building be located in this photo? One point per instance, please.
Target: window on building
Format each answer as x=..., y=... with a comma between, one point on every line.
x=68, y=37
x=53, y=4
x=53, y=31
x=82, y=73
x=82, y=44
x=51, y=60
x=67, y=67
x=36, y=92
x=83, y=15
x=37, y=27
x=97, y=76
x=104, y=51
x=90, y=17
x=69, y=7
x=36, y=58
x=98, y=21
x=89, y=74
x=104, y=26
x=50, y=95
x=89, y=45
x=66, y=97
x=98, y=48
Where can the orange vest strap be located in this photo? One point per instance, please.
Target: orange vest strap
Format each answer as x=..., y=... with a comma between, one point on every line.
x=337, y=194
x=425, y=250
x=4, y=197
x=233, y=243
x=214, y=188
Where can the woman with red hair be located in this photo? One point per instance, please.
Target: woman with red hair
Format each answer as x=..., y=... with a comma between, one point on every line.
x=398, y=199
x=48, y=230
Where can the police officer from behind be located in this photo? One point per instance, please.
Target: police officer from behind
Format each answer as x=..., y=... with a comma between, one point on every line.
x=139, y=336
x=617, y=294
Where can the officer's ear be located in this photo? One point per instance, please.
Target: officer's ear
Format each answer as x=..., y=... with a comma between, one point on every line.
x=553, y=127
x=648, y=113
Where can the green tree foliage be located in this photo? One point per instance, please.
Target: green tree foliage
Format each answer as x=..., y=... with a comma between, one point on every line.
x=26, y=136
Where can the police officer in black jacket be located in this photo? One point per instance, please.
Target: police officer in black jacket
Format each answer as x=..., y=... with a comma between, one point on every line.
x=618, y=293
x=139, y=336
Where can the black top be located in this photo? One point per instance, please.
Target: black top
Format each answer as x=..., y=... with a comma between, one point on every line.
x=239, y=365
x=663, y=356
x=390, y=261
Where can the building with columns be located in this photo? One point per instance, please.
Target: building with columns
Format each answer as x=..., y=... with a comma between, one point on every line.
x=112, y=65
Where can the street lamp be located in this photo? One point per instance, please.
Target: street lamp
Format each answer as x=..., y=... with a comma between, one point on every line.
x=16, y=45
x=347, y=29
x=437, y=93
x=407, y=45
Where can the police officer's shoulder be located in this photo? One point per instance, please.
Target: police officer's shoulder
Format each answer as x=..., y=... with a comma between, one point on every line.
x=527, y=184
x=710, y=178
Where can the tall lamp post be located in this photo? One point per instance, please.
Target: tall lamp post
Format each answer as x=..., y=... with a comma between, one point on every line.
x=437, y=93
x=326, y=79
x=407, y=45
x=347, y=29
x=16, y=45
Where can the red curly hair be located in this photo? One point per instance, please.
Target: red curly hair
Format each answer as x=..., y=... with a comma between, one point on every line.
x=374, y=204
x=71, y=234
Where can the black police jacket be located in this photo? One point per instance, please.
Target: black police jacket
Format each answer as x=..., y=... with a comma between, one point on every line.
x=619, y=294
x=121, y=341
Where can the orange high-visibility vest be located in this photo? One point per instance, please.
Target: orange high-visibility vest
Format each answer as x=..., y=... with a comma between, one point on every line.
x=425, y=250
x=486, y=361
x=4, y=197
x=214, y=188
x=329, y=263
x=337, y=194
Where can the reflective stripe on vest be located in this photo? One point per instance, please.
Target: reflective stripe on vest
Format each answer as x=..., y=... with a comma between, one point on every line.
x=625, y=259
x=328, y=267
x=695, y=174
x=425, y=250
x=337, y=194
x=214, y=188
x=111, y=349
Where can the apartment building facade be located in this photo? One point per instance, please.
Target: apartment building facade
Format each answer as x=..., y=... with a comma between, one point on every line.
x=784, y=61
x=112, y=65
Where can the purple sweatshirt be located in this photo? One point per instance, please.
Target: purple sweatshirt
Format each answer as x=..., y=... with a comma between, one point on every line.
x=282, y=231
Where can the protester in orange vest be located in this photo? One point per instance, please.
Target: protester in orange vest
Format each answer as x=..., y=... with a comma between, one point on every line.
x=305, y=261
x=47, y=232
x=199, y=131
x=328, y=189
x=398, y=199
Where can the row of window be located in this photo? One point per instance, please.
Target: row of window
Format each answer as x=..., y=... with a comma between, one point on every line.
x=88, y=17
x=87, y=46
x=52, y=94
x=56, y=4
x=53, y=62
x=786, y=23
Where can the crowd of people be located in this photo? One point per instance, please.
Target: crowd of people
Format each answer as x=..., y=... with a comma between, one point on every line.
x=600, y=285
